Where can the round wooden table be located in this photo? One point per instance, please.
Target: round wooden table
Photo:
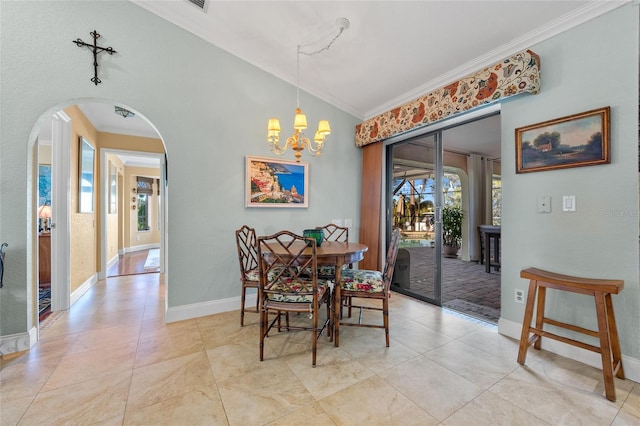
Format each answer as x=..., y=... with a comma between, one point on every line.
x=333, y=253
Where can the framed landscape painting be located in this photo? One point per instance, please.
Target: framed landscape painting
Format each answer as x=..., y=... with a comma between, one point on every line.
x=573, y=141
x=276, y=183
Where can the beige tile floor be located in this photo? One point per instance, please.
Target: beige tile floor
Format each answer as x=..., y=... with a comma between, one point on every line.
x=111, y=360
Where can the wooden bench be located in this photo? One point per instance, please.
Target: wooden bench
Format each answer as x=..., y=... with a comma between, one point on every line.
x=607, y=332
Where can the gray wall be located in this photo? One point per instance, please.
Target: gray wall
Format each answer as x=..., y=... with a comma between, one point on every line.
x=211, y=110
x=591, y=66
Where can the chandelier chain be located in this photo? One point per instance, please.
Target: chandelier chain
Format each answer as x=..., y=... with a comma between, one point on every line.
x=315, y=52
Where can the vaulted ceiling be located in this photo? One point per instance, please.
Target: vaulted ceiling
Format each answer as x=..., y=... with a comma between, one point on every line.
x=391, y=53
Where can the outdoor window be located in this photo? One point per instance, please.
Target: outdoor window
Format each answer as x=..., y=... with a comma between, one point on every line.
x=413, y=200
x=145, y=190
x=496, y=199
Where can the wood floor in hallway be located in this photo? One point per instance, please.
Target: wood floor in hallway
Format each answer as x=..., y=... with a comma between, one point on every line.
x=131, y=264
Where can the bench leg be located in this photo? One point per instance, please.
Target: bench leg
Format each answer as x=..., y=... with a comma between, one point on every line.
x=526, y=323
x=605, y=347
x=542, y=298
x=613, y=335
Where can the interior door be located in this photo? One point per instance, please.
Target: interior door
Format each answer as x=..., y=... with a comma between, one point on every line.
x=414, y=197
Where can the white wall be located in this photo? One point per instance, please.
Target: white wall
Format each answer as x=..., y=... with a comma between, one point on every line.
x=211, y=110
x=591, y=66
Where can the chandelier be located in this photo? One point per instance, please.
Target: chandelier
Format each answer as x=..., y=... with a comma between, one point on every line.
x=298, y=141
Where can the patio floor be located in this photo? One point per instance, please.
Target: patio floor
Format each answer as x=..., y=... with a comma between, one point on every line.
x=466, y=287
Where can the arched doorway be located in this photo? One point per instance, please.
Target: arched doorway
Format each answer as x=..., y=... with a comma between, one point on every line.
x=78, y=238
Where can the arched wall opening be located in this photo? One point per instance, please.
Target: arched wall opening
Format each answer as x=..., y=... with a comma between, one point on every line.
x=79, y=240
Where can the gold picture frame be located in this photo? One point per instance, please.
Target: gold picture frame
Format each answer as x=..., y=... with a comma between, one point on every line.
x=276, y=183
x=86, y=186
x=573, y=141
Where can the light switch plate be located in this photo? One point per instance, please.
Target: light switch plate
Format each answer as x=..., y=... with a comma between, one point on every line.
x=568, y=203
x=337, y=222
x=544, y=204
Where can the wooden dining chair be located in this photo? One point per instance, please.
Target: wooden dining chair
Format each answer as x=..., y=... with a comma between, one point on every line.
x=248, y=258
x=332, y=233
x=365, y=284
x=285, y=286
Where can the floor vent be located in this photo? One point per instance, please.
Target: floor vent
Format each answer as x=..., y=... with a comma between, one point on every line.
x=199, y=3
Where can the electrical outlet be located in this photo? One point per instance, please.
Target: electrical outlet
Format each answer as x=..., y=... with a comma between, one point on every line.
x=519, y=295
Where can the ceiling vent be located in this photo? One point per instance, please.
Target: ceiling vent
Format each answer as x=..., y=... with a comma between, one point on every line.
x=201, y=4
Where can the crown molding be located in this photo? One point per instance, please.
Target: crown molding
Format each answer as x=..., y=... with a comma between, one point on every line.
x=590, y=11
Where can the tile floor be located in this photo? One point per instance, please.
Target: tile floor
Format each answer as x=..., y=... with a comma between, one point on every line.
x=111, y=360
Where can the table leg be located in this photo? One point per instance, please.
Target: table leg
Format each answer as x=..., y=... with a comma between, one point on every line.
x=336, y=305
x=496, y=253
x=487, y=253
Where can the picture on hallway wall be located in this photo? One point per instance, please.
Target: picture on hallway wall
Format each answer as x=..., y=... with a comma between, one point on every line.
x=573, y=141
x=86, y=166
x=276, y=183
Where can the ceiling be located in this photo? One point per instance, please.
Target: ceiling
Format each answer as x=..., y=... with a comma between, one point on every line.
x=391, y=53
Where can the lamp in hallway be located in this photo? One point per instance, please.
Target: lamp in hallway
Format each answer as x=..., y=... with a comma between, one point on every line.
x=44, y=218
x=298, y=141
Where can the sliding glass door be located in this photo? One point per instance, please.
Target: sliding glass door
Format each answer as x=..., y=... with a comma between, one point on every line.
x=415, y=199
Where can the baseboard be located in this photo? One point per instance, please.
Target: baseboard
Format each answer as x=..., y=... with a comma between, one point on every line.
x=514, y=330
x=18, y=342
x=113, y=261
x=181, y=313
x=86, y=286
x=141, y=247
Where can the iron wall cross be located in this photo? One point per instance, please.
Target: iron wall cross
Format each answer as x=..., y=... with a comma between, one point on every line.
x=96, y=49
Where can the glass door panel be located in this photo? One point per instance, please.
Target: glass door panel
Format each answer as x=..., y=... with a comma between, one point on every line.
x=415, y=200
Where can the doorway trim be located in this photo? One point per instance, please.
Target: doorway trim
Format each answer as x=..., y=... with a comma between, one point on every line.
x=102, y=273
x=61, y=206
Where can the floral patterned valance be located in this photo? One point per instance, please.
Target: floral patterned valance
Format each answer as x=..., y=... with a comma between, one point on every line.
x=517, y=74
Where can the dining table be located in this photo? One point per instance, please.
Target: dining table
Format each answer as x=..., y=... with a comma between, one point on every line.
x=334, y=253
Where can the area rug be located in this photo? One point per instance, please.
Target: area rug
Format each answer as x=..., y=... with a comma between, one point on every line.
x=153, y=259
x=44, y=300
x=482, y=312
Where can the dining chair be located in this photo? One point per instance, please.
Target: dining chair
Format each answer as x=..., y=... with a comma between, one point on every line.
x=284, y=286
x=332, y=233
x=373, y=285
x=248, y=258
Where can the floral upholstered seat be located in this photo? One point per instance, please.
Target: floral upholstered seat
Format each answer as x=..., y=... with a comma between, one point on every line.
x=362, y=280
x=295, y=290
x=252, y=275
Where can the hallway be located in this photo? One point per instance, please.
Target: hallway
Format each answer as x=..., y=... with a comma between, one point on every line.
x=111, y=359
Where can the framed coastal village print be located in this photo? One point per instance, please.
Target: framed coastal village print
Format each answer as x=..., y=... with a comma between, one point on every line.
x=573, y=141
x=276, y=183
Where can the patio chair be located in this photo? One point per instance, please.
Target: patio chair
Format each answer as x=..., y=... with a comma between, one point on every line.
x=373, y=285
x=284, y=286
x=248, y=259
